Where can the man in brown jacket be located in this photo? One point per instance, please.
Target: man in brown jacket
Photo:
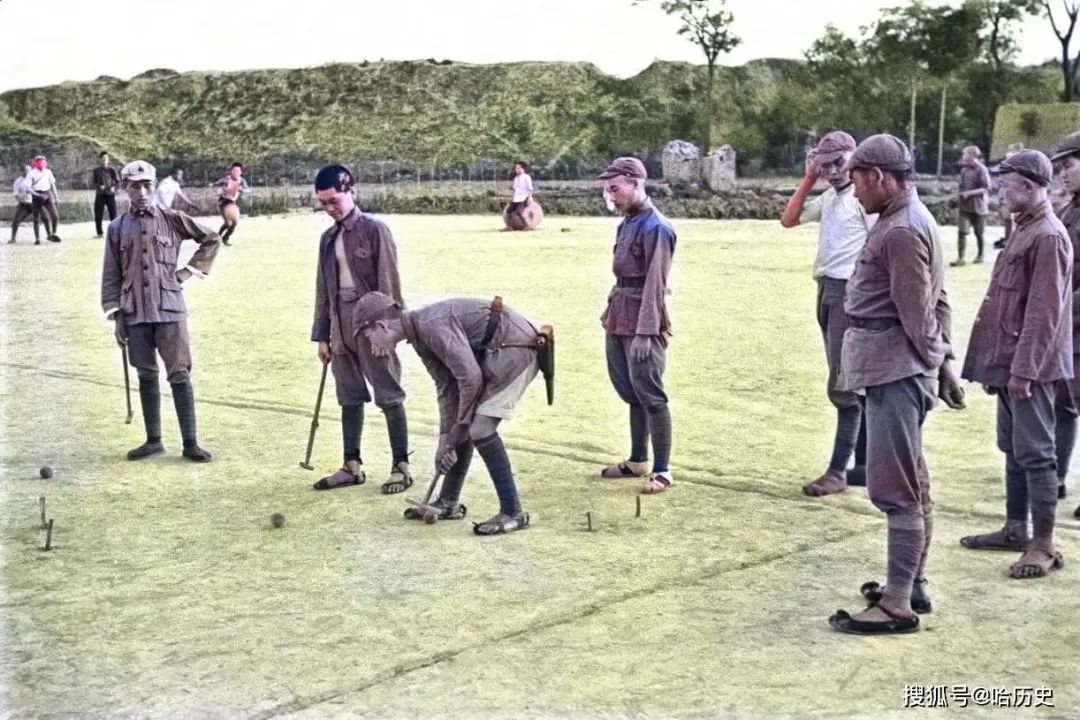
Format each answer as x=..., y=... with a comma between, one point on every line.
x=636, y=322
x=974, y=197
x=141, y=291
x=1021, y=350
x=357, y=256
x=896, y=354
x=481, y=355
x=1067, y=158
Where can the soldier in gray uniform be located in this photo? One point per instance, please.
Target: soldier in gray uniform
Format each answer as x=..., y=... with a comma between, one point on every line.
x=482, y=355
x=1021, y=350
x=357, y=256
x=1067, y=158
x=141, y=291
x=896, y=354
x=637, y=324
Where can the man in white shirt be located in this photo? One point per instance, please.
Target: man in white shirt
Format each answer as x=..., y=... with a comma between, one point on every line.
x=169, y=189
x=24, y=207
x=523, y=190
x=841, y=236
x=44, y=198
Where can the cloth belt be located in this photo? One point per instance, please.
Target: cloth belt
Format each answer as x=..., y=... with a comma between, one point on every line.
x=631, y=282
x=878, y=323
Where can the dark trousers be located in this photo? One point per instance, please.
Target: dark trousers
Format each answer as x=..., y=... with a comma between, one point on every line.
x=897, y=477
x=637, y=382
x=23, y=211
x=103, y=201
x=977, y=223
x=168, y=339
x=1025, y=428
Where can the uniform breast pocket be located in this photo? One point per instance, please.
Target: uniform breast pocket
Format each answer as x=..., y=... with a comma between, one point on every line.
x=637, y=248
x=1010, y=276
x=1010, y=273
x=164, y=249
x=172, y=297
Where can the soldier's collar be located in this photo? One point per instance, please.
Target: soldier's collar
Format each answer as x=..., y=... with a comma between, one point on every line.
x=408, y=325
x=1036, y=213
x=898, y=203
x=351, y=219
x=148, y=212
x=645, y=206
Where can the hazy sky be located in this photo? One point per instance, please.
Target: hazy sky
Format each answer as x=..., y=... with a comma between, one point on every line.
x=48, y=41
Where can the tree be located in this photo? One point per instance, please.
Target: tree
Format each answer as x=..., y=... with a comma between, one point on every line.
x=708, y=25
x=1064, y=36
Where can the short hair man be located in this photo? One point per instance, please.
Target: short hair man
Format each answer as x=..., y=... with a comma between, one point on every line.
x=841, y=236
x=357, y=256
x=896, y=354
x=1021, y=349
x=141, y=290
x=1067, y=159
x=230, y=189
x=637, y=324
x=106, y=180
x=974, y=195
x=44, y=197
x=24, y=206
x=481, y=355
x=170, y=188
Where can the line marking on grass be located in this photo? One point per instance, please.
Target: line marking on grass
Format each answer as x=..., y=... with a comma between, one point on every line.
x=569, y=617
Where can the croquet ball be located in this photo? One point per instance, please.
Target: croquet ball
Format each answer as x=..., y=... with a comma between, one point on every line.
x=277, y=520
x=430, y=518
x=45, y=472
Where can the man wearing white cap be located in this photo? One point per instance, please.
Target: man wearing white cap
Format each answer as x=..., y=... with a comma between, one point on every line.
x=141, y=291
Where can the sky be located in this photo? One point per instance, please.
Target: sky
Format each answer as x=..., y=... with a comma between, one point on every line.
x=82, y=39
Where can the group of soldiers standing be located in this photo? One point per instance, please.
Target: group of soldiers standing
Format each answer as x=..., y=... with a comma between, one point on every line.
x=481, y=354
x=886, y=323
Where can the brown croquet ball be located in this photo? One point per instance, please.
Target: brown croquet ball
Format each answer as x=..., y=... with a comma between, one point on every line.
x=277, y=520
x=430, y=518
x=45, y=472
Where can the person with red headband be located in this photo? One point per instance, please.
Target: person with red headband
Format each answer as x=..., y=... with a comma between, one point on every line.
x=44, y=197
x=229, y=190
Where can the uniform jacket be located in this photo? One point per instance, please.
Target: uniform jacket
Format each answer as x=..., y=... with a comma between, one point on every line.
x=1024, y=325
x=972, y=177
x=448, y=336
x=644, y=245
x=899, y=277
x=372, y=260
x=139, y=273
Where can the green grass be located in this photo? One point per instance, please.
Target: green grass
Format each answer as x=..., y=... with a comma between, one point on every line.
x=168, y=594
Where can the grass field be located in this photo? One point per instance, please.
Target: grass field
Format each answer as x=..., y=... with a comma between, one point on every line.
x=168, y=593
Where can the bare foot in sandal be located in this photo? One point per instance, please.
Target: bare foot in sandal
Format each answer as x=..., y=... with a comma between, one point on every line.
x=502, y=523
x=1010, y=537
x=401, y=479
x=626, y=469
x=1035, y=563
x=351, y=474
x=829, y=483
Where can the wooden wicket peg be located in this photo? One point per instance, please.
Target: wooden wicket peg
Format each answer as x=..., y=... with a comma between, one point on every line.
x=48, y=535
x=638, y=513
x=588, y=521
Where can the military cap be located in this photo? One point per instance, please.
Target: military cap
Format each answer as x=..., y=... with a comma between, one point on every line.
x=1069, y=146
x=370, y=307
x=884, y=151
x=629, y=167
x=1030, y=164
x=833, y=145
x=137, y=170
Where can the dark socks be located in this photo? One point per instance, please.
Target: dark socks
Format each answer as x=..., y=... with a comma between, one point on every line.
x=639, y=434
x=660, y=430
x=150, y=399
x=1042, y=491
x=184, y=401
x=493, y=452
x=1065, y=439
x=352, y=422
x=397, y=427
x=848, y=421
x=1016, y=493
x=455, y=478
